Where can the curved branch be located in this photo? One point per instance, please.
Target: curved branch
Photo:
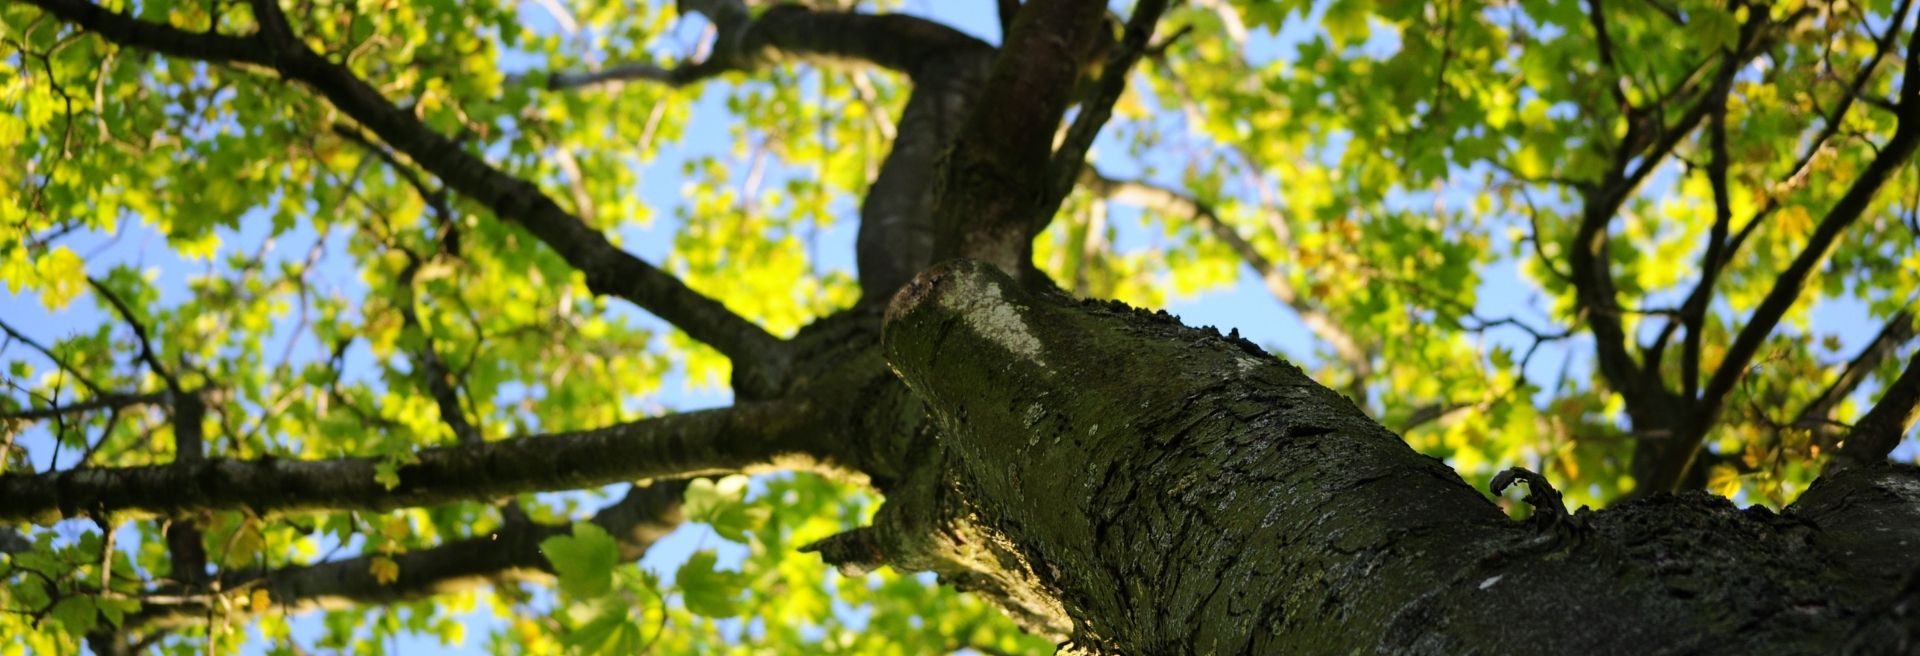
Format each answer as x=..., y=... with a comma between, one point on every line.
x=742, y=437
x=1095, y=110
x=23, y=338
x=995, y=179
x=1648, y=142
x=428, y=366
x=109, y=401
x=1877, y=433
x=792, y=32
x=512, y=552
x=946, y=67
x=1693, y=313
x=608, y=269
x=673, y=77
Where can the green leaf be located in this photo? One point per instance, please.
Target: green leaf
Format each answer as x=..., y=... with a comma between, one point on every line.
x=737, y=521
x=707, y=591
x=76, y=614
x=589, y=638
x=1346, y=21
x=1714, y=28
x=115, y=610
x=63, y=275
x=611, y=631
x=387, y=471
x=38, y=561
x=721, y=505
x=584, y=560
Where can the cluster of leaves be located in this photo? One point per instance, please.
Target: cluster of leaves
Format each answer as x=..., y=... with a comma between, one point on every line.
x=1394, y=162
x=312, y=245
x=777, y=599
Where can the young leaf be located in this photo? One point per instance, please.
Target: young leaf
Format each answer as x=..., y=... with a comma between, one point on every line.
x=584, y=560
x=707, y=591
x=76, y=613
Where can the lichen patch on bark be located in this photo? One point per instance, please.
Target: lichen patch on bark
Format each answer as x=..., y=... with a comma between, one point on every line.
x=978, y=302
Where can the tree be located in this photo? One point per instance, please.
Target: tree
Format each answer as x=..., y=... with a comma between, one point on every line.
x=1106, y=478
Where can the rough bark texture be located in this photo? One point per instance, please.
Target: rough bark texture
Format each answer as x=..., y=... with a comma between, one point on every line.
x=1174, y=490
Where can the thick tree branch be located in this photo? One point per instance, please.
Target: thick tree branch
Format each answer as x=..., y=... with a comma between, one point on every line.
x=679, y=76
x=946, y=67
x=608, y=269
x=739, y=438
x=509, y=553
x=793, y=33
x=1006, y=10
x=896, y=233
x=1200, y=412
x=1590, y=264
x=1869, y=517
x=1693, y=313
x=1603, y=43
x=1647, y=142
x=995, y=181
x=1096, y=109
x=111, y=401
x=1877, y=433
x=185, y=545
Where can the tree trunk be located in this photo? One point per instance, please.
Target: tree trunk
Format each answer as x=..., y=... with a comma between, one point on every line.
x=1165, y=489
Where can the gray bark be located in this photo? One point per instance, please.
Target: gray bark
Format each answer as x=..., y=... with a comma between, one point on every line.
x=1173, y=490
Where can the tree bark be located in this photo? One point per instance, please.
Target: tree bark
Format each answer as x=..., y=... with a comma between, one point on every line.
x=1173, y=490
